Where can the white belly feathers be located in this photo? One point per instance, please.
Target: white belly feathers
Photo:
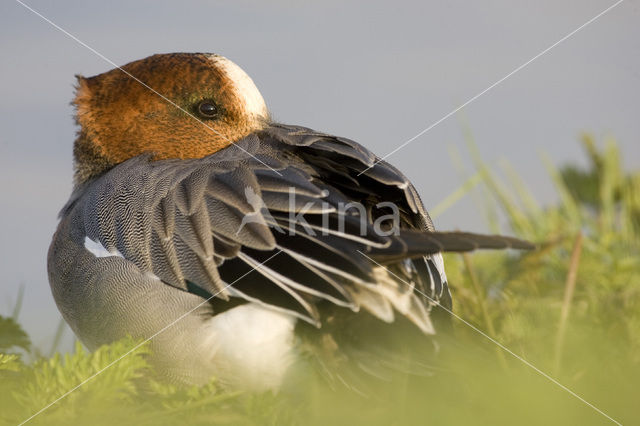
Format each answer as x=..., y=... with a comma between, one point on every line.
x=251, y=346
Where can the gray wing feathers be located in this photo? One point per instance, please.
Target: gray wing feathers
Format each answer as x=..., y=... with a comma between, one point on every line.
x=209, y=221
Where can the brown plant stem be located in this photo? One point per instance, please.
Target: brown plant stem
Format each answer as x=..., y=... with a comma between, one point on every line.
x=568, y=297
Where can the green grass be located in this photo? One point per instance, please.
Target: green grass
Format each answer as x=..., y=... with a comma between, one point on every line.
x=571, y=308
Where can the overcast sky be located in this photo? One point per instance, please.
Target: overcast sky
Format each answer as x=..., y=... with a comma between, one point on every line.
x=377, y=72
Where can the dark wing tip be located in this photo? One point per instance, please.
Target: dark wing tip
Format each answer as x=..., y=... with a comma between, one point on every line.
x=412, y=244
x=450, y=241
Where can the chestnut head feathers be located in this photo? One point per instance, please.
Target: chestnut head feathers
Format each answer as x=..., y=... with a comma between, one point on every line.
x=210, y=103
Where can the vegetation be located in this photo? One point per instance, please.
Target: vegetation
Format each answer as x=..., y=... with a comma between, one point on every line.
x=571, y=309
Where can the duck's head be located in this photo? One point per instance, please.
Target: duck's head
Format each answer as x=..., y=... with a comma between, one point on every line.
x=178, y=105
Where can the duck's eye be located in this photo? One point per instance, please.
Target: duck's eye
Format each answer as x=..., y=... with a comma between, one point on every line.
x=207, y=109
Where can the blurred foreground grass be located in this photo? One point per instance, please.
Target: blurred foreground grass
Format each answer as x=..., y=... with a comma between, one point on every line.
x=572, y=309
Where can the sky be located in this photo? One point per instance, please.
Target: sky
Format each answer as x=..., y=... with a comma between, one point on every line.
x=376, y=72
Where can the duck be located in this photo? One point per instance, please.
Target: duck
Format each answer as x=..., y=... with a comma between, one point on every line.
x=234, y=243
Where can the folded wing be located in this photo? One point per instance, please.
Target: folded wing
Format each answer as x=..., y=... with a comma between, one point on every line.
x=266, y=221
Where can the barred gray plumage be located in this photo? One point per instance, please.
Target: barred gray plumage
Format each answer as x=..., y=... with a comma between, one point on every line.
x=173, y=232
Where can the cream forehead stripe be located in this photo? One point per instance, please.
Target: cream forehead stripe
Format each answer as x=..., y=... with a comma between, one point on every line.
x=244, y=85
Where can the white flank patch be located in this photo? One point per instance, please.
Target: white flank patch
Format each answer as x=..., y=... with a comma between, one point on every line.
x=98, y=250
x=245, y=88
x=251, y=346
x=439, y=262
